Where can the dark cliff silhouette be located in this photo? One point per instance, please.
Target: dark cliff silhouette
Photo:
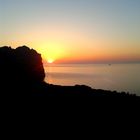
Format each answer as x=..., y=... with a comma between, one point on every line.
x=22, y=74
x=20, y=69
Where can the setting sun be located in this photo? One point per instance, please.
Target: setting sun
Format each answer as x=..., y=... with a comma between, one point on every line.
x=50, y=61
x=51, y=51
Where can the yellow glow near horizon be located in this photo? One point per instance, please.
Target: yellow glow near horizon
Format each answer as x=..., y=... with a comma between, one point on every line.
x=55, y=50
x=50, y=61
x=51, y=51
x=65, y=47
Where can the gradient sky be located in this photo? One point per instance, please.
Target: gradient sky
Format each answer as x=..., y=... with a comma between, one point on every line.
x=78, y=31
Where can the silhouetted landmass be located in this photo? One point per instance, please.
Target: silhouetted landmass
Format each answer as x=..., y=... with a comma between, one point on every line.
x=22, y=74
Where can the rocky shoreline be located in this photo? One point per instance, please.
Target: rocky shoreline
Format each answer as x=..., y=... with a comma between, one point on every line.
x=22, y=74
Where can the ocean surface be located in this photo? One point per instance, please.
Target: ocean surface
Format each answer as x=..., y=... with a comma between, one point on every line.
x=119, y=77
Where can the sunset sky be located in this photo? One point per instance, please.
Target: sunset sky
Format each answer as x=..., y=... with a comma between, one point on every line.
x=74, y=31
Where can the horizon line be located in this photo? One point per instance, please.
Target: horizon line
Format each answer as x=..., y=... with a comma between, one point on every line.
x=76, y=63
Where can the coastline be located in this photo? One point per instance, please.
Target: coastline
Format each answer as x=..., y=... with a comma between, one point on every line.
x=50, y=90
x=27, y=74
x=117, y=77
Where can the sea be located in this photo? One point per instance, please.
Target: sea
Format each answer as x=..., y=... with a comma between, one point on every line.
x=114, y=77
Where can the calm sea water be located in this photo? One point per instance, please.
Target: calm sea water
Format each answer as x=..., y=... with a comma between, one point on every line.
x=120, y=77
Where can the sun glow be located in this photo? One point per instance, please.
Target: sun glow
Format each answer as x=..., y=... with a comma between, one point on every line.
x=50, y=61
x=51, y=51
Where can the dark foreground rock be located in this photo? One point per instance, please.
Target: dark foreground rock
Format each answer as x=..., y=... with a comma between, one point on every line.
x=22, y=74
